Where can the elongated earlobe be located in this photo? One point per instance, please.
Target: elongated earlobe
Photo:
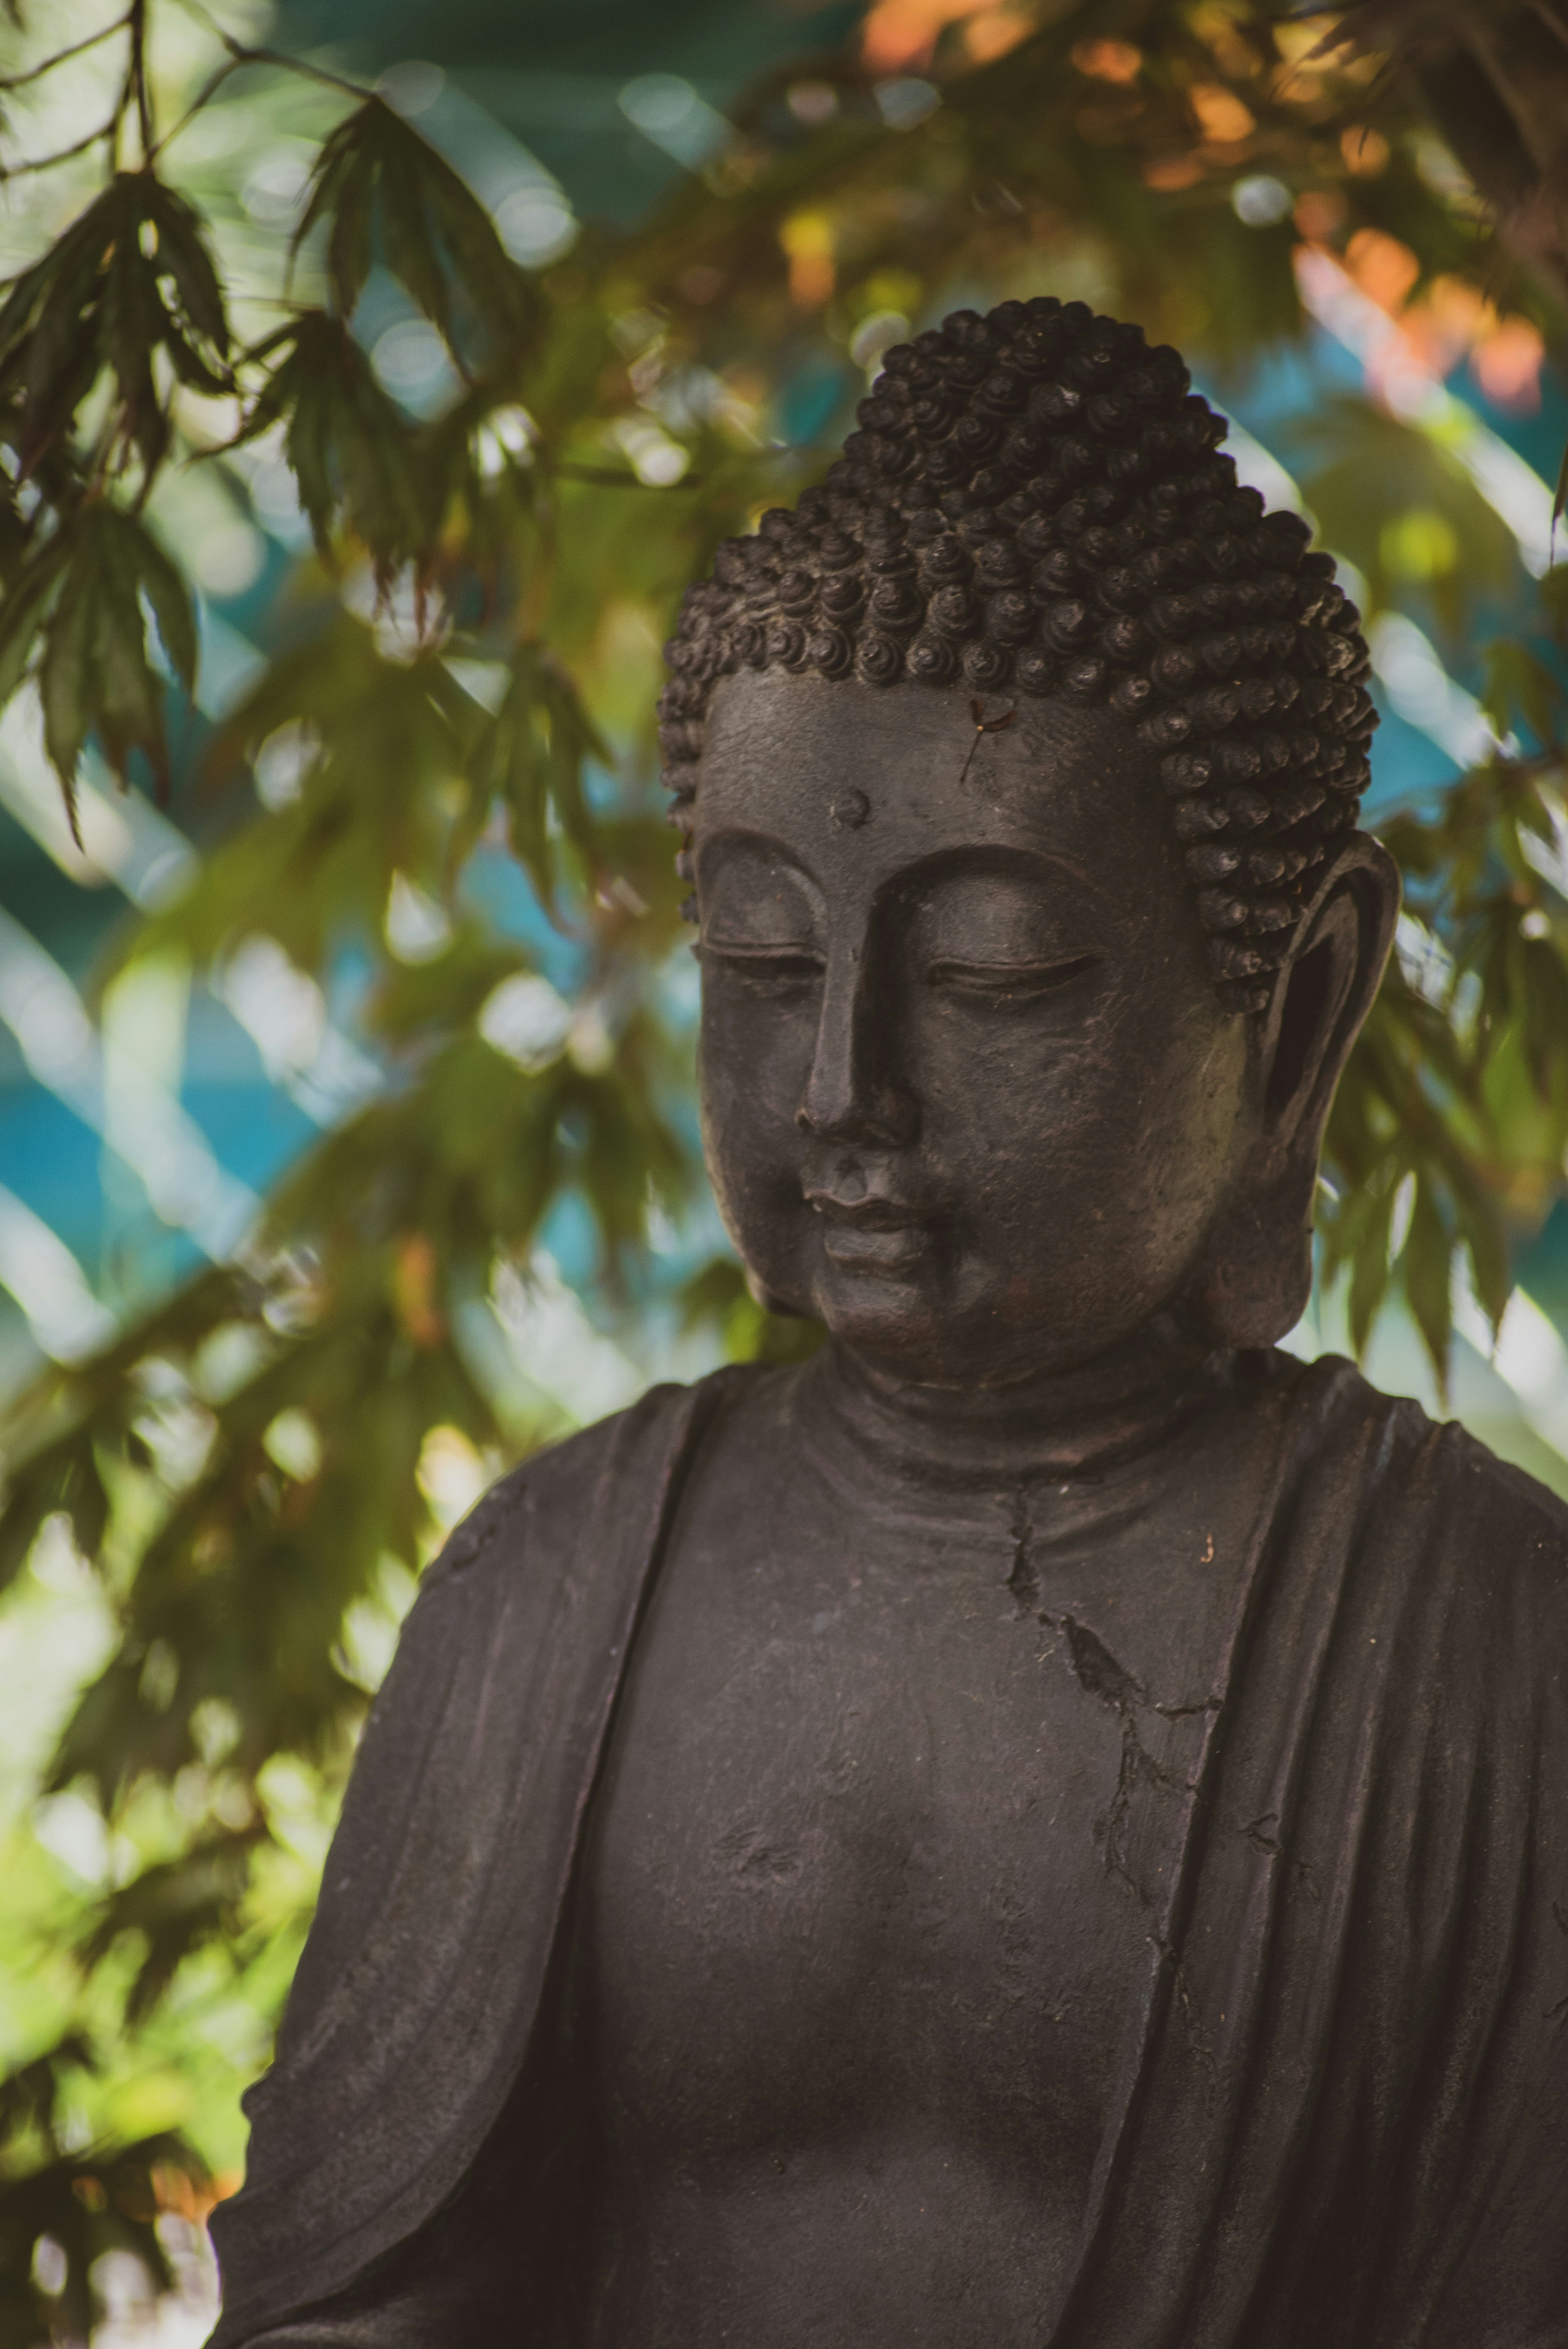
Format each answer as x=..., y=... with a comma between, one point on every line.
x=1255, y=1276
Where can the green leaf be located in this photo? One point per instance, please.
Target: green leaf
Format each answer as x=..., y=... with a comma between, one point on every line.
x=531, y=758
x=174, y=1907
x=97, y=675
x=1428, y=1276
x=1519, y=685
x=96, y=302
x=375, y=171
x=353, y=452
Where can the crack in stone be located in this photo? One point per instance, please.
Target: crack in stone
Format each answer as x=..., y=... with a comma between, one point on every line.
x=1197, y=2037
x=1103, y=1677
x=1024, y=1582
x=1258, y=1833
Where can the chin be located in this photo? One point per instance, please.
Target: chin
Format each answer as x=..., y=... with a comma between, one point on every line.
x=889, y=1312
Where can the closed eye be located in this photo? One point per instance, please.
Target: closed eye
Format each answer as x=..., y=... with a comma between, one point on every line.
x=776, y=967
x=1008, y=982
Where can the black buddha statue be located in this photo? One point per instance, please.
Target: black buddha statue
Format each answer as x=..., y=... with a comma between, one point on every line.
x=1046, y=1827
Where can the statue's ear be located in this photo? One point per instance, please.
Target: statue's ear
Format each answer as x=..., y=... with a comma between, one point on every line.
x=1256, y=1274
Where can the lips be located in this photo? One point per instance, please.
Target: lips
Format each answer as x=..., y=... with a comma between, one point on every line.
x=869, y=1234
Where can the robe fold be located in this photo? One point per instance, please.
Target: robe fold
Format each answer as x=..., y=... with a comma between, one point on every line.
x=1343, y=2116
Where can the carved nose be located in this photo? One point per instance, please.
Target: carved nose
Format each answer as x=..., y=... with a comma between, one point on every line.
x=888, y=1119
x=852, y=1093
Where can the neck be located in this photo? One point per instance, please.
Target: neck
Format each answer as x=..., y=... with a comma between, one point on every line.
x=1074, y=1423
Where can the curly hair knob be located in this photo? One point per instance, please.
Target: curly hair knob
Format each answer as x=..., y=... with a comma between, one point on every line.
x=898, y=606
x=1237, y=762
x=953, y=612
x=987, y=666
x=933, y=659
x=796, y=592
x=841, y=595
x=1010, y=617
x=1186, y=770
x=837, y=551
x=1130, y=696
x=879, y=659
x=943, y=562
x=1086, y=679
x=1064, y=623
x=1221, y=654
x=1037, y=672
x=1246, y=810
x=1215, y=861
x=1218, y=909
x=1199, y=817
x=830, y=652
x=1003, y=393
x=786, y=642
x=1165, y=729
x=1123, y=639
x=1174, y=667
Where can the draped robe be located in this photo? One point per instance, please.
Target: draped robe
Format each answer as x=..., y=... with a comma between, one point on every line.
x=1342, y=2117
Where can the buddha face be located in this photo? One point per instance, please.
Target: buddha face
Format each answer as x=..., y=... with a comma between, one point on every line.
x=969, y=1096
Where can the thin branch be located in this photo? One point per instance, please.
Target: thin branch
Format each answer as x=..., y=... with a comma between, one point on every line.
x=209, y=89
x=48, y=162
x=239, y=55
x=47, y=65
x=244, y=55
x=135, y=80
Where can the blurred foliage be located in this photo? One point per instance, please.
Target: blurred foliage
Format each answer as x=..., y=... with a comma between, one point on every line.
x=466, y=651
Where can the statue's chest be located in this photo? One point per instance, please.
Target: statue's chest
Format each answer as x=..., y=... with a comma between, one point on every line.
x=883, y=1843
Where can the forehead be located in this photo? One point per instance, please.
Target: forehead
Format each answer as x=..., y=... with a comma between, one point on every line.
x=873, y=778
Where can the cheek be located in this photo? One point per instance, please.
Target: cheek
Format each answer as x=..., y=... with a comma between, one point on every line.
x=753, y=1062
x=1109, y=1152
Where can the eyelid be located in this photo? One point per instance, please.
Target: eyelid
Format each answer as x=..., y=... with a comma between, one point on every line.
x=1009, y=978
x=781, y=952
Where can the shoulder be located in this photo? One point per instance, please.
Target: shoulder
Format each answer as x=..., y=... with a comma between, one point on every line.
x=1503, y=1533
x=1512, y=1534
x=599, y=1467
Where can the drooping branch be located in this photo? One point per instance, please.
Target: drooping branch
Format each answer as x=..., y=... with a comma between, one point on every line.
x=1493, y=78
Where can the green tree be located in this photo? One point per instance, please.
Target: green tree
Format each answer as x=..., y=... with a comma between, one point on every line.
x=469, y=642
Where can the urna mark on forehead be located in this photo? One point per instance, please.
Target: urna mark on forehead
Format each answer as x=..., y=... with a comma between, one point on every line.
x=1034, y=505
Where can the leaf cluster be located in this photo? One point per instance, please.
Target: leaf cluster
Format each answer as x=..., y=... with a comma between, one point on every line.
x=93, y=338
x=83, y=2203
x=1455, y=1106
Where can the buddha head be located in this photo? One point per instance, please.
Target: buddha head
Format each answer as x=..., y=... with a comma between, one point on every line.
x=1018, y=771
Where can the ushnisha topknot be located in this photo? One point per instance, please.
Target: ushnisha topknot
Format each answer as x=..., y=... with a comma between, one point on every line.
x=1035, y=503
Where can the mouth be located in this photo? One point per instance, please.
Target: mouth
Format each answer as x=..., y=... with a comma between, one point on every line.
x=871, y=1235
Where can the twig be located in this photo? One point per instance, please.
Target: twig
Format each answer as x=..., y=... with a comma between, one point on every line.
x=207, y=90
x=239, y=56
x=136, y=80
x=983, y=725
x=243, y=56
x=47, y=65
x=48, y=162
